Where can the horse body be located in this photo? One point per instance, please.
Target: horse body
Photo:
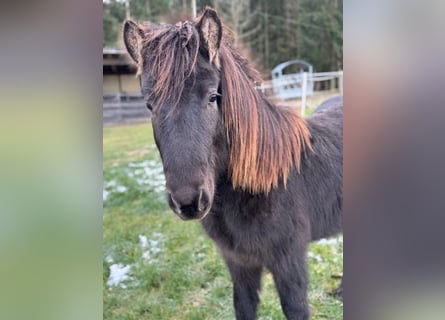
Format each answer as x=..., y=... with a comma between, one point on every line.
x=263, y=181
x=309, y=206
x=272, y=231
x=323, y=170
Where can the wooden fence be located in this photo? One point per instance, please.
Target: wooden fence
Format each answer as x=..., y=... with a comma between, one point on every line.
x=130, y=107
x=124, y=108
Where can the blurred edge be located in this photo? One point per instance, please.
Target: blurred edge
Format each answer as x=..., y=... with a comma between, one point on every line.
x=50, y=151
x=50, y=155
x=394, y=261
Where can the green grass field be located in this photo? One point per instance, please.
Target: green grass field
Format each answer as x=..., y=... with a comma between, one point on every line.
x=156, y=266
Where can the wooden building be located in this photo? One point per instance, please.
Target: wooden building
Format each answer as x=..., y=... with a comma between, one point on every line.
x=122, y=99
x=118, y=72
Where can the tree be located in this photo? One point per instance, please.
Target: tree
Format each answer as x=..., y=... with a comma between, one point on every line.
x=113, y=16
x=273, y=32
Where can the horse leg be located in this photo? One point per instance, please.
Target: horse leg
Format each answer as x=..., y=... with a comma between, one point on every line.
x=338, y=293
x=246, y=286
x=289, y=273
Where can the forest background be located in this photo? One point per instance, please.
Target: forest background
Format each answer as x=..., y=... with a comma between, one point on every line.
x=271, y=32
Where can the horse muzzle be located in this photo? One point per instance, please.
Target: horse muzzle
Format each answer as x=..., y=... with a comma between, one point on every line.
x=189, y=203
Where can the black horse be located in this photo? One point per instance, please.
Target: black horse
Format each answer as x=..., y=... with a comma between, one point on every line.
x=263, y=181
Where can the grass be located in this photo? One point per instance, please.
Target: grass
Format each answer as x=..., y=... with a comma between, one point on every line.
x=175, y=271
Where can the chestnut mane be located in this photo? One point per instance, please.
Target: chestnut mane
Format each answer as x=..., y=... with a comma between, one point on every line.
x=265, y=141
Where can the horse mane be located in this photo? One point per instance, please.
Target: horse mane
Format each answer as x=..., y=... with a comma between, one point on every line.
x=265, y=141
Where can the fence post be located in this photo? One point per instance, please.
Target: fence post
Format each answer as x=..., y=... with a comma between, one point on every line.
x=120, y=111
x=332, y=84
x=303, y=93
x=340, y=81
x=194, y=8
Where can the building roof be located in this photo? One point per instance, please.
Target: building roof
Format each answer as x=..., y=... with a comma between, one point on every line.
x=117, y=61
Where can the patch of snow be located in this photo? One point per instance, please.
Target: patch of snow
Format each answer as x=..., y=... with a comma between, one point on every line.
x=331, y=241
x=156, y=250
x=121, y=189
x=111, y=184
x=143, y=241
x=150, y=248
x=112, y=187
x=148, y=174
x=158, y=235
x=159, y=189
x=153, y=171
x=118, y=274
x=316, y=257
x=142, y=164
x=105, y=194
x=146, y=255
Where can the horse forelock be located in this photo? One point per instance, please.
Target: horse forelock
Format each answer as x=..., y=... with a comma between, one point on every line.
x=169, y=55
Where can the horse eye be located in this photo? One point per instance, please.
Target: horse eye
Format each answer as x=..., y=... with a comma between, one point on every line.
x=213, y=97
x=148, y=106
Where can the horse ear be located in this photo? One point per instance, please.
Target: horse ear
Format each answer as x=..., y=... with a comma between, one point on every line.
x=210, y=30
x=133, y=36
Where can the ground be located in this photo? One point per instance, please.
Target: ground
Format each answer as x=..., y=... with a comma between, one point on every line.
x=312, y=101
x=156, y=266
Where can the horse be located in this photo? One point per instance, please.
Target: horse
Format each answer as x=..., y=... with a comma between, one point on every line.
x=263, y=181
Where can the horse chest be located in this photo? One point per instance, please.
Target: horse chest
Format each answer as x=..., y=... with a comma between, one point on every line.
x=241, y=232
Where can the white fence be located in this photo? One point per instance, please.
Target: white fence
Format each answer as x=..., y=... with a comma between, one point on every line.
x=302, y=84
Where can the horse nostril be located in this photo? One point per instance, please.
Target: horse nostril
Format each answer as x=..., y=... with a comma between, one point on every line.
x=173, y=203
x=203, y=200
x=200, y=204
